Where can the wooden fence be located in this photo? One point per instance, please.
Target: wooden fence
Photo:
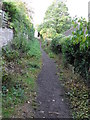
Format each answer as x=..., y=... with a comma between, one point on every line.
x=89, y=11
x=3, y=19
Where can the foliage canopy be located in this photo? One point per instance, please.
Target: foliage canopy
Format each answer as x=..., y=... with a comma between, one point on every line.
x=56, y=20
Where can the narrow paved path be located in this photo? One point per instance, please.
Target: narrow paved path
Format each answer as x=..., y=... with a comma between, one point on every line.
x=50, y=95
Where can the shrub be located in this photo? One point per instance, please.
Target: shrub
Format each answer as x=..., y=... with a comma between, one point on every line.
x=76, y=49
x=66, y=50
x=56, y=44
x=9, y=54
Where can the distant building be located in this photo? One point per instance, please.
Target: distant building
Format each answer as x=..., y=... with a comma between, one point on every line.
x=69, y=32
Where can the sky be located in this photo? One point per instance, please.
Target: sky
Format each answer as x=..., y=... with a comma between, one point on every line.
x=76, y=8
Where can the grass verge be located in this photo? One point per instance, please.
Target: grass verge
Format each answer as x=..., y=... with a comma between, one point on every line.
x=19, y=81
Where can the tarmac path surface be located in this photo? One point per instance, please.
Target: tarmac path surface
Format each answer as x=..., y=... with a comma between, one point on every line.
x=50, y=94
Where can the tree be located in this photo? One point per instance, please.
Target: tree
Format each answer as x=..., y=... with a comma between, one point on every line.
x=57, y=17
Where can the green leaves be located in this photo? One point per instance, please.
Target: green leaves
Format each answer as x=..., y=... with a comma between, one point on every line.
x=76, y=48
x=56, y=43
x=19, y=18
x=56, y=19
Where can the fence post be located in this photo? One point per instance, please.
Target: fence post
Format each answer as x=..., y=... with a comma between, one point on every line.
x=0, y=66
x=89, y=18
x=3, y=19
x=0, y=18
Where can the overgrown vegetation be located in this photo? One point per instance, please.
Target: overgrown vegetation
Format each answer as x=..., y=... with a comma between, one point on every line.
x=56, y=44
x=75, y=48
x=75, y=87
x=18, y=80
x=21, y=60
x=71, y=51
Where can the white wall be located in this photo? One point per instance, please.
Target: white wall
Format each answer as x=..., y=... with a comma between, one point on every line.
x=36, y=34
x=5, y=36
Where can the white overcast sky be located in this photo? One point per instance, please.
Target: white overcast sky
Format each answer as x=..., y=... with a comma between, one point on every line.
x=76, y=7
